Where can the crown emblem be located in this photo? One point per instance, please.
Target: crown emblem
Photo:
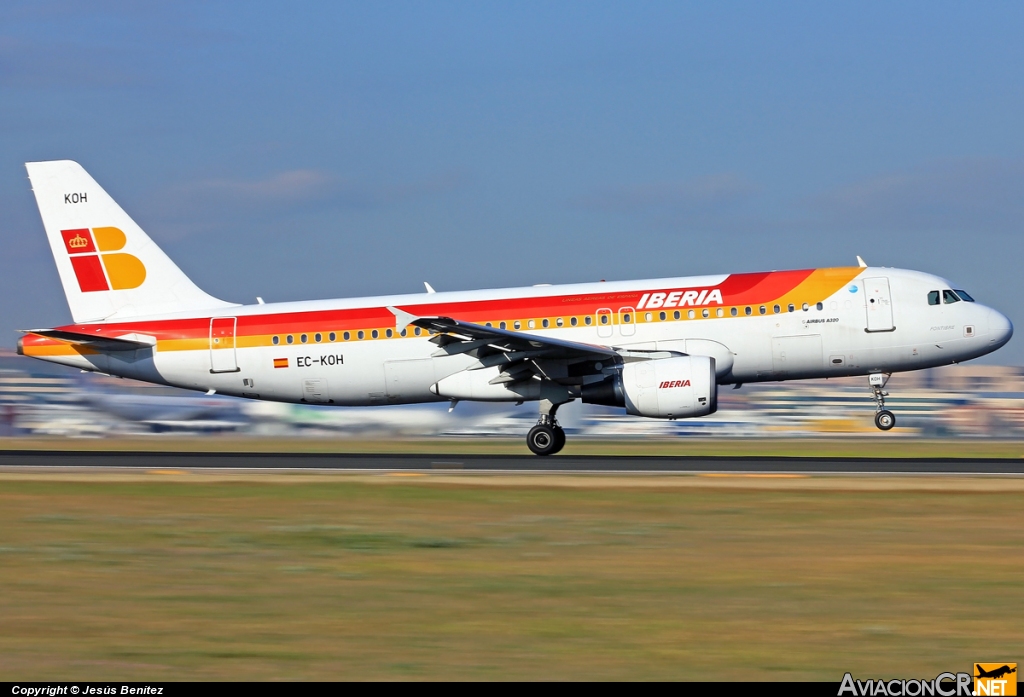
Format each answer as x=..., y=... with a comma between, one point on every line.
x=78, y=242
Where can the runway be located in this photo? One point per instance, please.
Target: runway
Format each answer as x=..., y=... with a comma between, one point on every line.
x=38, y=459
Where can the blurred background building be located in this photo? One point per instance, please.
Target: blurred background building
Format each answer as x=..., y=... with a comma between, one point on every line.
x=40, y=399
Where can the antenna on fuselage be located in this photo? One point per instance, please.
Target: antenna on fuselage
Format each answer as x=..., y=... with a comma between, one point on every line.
x=861, y=263
x=430, y=289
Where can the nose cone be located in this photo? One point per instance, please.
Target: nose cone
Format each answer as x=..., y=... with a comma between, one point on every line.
x=1000, y=329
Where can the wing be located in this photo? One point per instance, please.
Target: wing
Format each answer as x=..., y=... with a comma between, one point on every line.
x=481, y=340
x=521, y=355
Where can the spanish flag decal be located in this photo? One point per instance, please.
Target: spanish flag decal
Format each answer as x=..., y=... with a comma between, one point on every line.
x=280, y=362
x=102, y=271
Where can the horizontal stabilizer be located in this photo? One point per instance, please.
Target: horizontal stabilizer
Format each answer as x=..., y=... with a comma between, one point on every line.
x=130, y=342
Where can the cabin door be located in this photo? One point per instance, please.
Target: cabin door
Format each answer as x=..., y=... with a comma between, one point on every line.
x=222, y=345
x=627, y=317
x=879, y=304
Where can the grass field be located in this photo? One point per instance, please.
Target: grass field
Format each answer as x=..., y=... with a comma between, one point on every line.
x=873, y=445
x=171, y=575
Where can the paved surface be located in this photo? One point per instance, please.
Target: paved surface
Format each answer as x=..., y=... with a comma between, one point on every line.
x=504, y=463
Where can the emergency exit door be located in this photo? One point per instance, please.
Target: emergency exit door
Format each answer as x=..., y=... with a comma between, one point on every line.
x=879, y=304
x=222, y=345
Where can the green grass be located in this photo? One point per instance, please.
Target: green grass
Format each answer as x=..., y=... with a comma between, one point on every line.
x=296, y=577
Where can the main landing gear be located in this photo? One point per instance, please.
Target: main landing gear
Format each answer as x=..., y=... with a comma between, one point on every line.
x=884, y=419
x=547, y=437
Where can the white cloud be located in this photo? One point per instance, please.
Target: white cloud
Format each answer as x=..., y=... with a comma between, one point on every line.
x=698, y=194
x=967, y=194
x=200, y=206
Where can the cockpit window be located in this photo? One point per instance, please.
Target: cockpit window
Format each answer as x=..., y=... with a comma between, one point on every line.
x=933, y=297
x=949, y=297
x=964, y=296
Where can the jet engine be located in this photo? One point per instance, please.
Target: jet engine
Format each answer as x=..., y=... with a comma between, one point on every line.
x=664, y=388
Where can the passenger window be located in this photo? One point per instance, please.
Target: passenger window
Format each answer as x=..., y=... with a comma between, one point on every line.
x=690, y=314
x=661, y=315
x=604, y=319
x=676, y=314
x=346, y=336
x=334, y=337
x=573, y=321
x=517, y=325
x=416, y=331
x=747, y=311
x=762, y=309
x=559, y=322
x=627, y=318
x=705, y=313
x=964, y=296
x=791, y=308
x=949, y=297
x=777, y=309
x=720, y=312
x=501, y=325
x=531, y=324
x=290, y=339
x=820, y=306
x=805, y=307
x=403, y=332
x=933, y=297
x=360, y=334
x=318, y=337
x=374, y=333
x=303, y=338
x=544, y=323
x=733, y=311
x=276, y=340
x=648, y=317
x=389, y=333
x=587, y=320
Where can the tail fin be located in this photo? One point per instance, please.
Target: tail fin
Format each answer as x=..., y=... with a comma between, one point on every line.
x=109, y=267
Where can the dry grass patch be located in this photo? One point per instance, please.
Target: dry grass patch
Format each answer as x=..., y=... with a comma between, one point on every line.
x=318, y=577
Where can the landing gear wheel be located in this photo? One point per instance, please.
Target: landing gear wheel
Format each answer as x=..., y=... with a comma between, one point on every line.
x=543, y=440
x=885, y=420
x=559, y=440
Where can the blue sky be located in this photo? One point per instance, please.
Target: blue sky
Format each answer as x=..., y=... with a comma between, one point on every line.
x=332, y=149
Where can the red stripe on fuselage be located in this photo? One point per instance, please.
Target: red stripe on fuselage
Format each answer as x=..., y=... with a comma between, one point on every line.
x=765, y=289
x=737, y=289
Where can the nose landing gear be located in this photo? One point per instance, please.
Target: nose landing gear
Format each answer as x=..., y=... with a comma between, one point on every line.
x=884, y=419
x=547, y=437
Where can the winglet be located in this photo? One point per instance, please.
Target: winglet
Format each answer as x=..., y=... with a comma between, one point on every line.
x=402, y=318
x=861, y=263
x=430, y=288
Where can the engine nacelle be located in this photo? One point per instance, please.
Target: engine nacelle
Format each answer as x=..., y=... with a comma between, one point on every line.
x=665, y=388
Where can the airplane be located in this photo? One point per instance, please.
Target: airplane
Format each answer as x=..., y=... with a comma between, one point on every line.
x=996, y=673
x=163, y=413
x=657, y=348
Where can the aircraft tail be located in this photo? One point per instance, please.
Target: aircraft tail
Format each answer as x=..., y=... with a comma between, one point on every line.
x=109, y=267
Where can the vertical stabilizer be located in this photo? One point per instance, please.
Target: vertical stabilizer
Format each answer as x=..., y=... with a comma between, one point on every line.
x=109, y=267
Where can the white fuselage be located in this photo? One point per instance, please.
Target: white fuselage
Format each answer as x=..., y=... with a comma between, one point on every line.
x=848, y=335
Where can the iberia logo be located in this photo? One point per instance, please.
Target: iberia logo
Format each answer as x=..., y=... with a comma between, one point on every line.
x=96, y=268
